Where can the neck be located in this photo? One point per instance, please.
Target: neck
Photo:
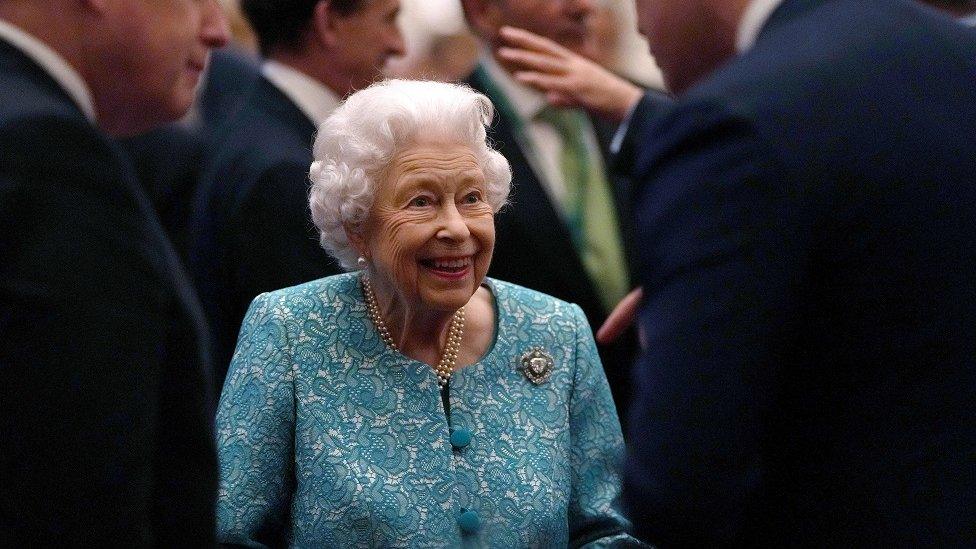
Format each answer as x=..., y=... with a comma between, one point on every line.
x=75, y=32
x=316, y=66
x=955, y=7
x=714, y=48
x=58, y=27
x=418, y=332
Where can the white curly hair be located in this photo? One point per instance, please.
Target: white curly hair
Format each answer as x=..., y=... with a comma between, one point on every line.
x=363, y=135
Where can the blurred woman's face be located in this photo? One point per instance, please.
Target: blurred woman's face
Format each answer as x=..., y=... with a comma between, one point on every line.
x=431, y=232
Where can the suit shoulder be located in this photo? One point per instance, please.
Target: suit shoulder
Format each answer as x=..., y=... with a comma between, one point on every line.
x=249, y=149
x=842, y=53
x=266, y=126
x=25, y=129
x=59, y=144
x=24, y=98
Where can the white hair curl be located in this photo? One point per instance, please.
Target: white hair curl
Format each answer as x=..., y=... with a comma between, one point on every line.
x=363, y=135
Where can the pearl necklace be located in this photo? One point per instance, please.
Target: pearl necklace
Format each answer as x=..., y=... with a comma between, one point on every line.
x=445, y=366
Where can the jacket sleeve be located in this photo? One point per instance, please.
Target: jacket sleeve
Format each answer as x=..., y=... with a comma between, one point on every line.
x=596, y=450
x=722, y=227
x=255, y=432
x=635, y=128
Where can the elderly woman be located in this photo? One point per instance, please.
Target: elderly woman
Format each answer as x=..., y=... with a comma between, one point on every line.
x=415, y=402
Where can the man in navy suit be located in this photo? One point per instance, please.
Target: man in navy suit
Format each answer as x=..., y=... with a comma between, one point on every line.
x=806, y=214
x=105, y=393
x=252, y=231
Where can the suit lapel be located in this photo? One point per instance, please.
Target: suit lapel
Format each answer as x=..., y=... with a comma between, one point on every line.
x=531, y=204
x=269, y=99
x=787, y=11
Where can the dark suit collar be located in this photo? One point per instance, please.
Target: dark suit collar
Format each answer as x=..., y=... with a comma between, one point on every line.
x=787, y=11
x=13, y=61
x=269, y=99
x=481, y=81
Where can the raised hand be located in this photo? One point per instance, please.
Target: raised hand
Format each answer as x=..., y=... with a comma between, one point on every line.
x=567, y=79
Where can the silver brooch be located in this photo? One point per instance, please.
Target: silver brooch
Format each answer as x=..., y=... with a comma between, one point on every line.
x=537, y=365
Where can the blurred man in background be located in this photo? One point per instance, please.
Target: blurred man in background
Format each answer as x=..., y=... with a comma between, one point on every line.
x=252, y=231
x=566, y=232
x=105, y=395
x=168, y=159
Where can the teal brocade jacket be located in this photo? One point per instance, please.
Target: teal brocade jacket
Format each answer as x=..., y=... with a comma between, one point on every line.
x=328, y=438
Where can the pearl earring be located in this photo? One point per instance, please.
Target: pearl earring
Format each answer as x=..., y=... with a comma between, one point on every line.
x=361, y=262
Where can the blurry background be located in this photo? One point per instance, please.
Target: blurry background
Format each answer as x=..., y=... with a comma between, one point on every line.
x=440, y=47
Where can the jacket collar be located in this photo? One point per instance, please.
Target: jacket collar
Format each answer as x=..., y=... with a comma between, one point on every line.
x=787, y=11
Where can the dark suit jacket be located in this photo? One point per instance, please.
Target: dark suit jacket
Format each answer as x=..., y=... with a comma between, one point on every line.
x=252, y=229
x=652, y=104
x=105, y=398
x=533, y=246
x=231, y=76
x=807, y=217
x=168, y=162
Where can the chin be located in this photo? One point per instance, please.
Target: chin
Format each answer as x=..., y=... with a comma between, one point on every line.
x=449, y=300
x=183, y=98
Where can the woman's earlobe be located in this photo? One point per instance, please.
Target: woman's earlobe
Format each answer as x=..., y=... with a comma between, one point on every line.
x=357, y=240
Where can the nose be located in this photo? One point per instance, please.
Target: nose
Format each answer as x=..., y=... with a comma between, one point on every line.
x=396, y=47
x=215, y=30
x=454, y=227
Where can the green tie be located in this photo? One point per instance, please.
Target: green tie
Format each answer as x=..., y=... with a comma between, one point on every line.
x=589, y=208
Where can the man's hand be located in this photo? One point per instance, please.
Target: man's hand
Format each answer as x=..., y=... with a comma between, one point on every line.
x=567, y=79
x=621, y=318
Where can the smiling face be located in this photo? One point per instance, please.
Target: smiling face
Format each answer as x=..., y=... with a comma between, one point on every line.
x=430, y=233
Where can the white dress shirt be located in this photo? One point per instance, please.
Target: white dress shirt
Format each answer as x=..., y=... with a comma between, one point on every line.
x=53, y=64
x=753, y=20
x=543, y=142
x=311, y=96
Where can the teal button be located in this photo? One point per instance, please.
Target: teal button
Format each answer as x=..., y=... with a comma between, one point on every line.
x=460, y=438
x=470, y=522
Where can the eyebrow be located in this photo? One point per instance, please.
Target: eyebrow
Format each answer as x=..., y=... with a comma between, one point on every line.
x=468, y=178
x=424, y=176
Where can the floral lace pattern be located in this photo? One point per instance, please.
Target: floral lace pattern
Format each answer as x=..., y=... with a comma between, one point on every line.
x=327, y=438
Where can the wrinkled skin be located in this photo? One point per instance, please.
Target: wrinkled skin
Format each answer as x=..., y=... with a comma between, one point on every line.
x=430, y=205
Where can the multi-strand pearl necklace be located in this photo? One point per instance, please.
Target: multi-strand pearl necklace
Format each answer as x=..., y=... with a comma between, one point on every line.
x=445, y=366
